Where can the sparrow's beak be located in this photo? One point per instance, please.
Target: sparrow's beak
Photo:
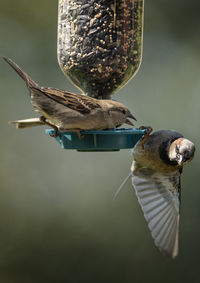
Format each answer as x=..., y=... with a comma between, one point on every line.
x=180, y=159
x=132, y=117
x=129, y=122
x=187, y=156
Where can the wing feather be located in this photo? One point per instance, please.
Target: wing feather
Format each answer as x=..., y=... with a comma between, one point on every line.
x=158, y=195
x=78, y=102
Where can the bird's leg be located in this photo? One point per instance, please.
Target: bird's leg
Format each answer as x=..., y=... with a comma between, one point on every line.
x=78, y=131
x=44, y=120
x=146, y=135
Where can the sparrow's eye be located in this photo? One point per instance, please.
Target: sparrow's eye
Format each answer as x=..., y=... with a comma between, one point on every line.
x=187, y=155
x=124, y=112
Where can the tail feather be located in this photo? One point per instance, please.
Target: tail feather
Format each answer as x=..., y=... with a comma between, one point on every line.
x=21, y=73
x=27, y=123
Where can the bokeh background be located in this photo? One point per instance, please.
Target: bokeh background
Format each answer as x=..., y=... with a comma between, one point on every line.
x=58, y=222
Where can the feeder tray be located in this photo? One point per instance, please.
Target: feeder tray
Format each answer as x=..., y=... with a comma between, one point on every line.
x=105, y=140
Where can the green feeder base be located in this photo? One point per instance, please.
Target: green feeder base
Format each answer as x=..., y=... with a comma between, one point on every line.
x=105, y=140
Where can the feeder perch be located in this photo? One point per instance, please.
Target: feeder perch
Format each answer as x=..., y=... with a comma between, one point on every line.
x=107, y=140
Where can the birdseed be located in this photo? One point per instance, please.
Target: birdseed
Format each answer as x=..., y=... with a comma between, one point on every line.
x=100, y=43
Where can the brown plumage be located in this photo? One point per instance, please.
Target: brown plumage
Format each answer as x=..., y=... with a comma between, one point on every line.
x=158, y=160
x=69, y=111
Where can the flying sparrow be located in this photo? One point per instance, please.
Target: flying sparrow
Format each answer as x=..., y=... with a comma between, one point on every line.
x=66, y=111
x=158, y=161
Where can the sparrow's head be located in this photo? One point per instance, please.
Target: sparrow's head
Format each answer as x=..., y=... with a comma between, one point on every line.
x=181, y=151
x=119, y=114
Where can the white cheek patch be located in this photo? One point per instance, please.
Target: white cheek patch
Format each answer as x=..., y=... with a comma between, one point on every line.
x=183, y=145
x=186, y=145
x=172, y=154
x=172, y=151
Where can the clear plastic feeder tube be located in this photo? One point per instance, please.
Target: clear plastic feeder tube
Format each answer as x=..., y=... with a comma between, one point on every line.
x=100, y=43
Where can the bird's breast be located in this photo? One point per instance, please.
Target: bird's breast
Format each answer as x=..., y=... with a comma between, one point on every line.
x=152, y=160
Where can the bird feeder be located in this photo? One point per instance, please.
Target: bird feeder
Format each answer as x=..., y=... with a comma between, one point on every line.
x=100, y=43
x=107, y=140
x=100, y=49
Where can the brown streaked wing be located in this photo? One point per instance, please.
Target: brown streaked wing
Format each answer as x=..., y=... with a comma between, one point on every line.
x=78, y=102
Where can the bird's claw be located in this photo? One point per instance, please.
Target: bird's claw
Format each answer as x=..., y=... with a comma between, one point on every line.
x=54, y=134
x=147, y=128
x=80, y=136
x=147, y=133
x=44, y=120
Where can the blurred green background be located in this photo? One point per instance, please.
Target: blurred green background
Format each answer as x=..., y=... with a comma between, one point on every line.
x=58, y=222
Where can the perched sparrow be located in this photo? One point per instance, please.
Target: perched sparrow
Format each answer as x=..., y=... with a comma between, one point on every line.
x=66, y=111
x=158, y=161
x=156, y=170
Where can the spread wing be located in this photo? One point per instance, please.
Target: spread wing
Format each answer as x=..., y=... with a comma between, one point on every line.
x=78, y=102
x=159, y=197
